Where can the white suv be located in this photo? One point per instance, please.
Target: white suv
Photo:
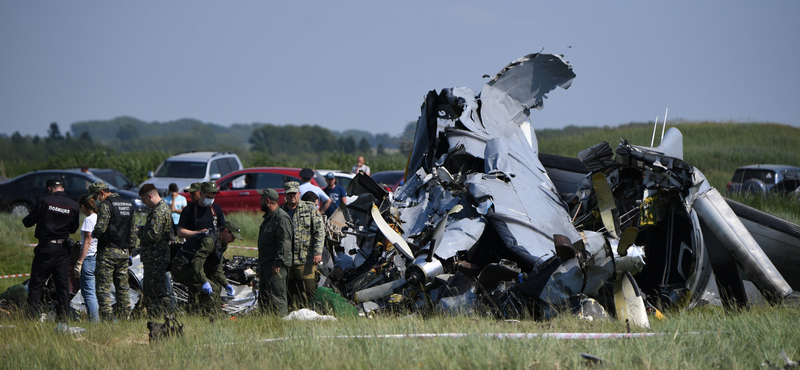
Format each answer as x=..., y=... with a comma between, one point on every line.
x=185, y=168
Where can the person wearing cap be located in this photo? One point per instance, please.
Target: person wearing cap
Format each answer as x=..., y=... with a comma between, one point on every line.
x=194, y=192
x=154, y=239
x=335, y=192
x=307, y=244
x=56, y=217
x=198, y=266
x=116, y=234
x=274, y=254
x=324, y=201
x=202, y=215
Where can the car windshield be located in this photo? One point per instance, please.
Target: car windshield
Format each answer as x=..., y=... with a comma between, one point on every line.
x=343, y=181
x=742, y=175
x=112, y=178
x=180, y=169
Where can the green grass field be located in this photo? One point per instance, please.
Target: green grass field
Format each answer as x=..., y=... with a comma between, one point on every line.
x=727, y=340
x=699, y=339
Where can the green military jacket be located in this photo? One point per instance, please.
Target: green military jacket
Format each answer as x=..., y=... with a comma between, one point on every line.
x=155, y=233
x=198, y=262
x=275, y=240
x=309, y=233
x=103, y=218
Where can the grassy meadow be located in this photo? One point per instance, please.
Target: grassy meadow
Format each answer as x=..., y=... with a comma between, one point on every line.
x=702, y=338
x=699, y=339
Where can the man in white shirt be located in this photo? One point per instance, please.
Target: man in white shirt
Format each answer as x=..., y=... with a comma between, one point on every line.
x=324, y=200
x=360, y=166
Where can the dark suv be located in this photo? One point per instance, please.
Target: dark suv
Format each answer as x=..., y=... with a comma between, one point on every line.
x=19, y=194
x=764, y=179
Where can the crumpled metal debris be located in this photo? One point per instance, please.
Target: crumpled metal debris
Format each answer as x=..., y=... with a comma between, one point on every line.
x=485, y=223
x=63, y=328
x=305, y=314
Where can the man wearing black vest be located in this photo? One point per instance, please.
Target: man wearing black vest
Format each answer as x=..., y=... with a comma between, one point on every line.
x=203, y=215
x=56, y=217
x=115, y=234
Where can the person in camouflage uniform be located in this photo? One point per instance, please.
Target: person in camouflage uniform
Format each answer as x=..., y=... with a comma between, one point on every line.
x=198, y=266
x=274, y=254
x=154, y=239
x=307, y=244
x=115, y=233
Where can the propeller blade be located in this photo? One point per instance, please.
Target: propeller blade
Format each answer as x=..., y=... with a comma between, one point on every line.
x=629, y=303
x=627, y=239
x=439, y=231
x=606, y=204
x=397, y=241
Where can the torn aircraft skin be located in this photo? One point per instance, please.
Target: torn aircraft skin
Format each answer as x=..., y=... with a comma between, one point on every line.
x=478, y=212
x=482, y=225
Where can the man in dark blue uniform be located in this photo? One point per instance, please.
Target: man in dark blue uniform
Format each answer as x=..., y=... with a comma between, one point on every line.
x=56, y=217
x=203, y=215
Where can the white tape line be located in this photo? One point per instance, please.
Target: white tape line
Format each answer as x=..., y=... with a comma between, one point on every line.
x=13, y=276
x=486, y=335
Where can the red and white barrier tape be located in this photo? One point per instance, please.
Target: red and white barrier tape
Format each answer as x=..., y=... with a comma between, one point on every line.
x=230, y=246
x=13, y=276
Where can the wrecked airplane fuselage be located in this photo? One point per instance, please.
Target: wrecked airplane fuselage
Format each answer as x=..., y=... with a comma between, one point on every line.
x=479, y=222
x=476, y=195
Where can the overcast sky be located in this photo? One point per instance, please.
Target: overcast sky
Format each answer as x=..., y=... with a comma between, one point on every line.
x=367, y=65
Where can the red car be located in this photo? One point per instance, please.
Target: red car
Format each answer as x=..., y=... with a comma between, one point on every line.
x=238, y=190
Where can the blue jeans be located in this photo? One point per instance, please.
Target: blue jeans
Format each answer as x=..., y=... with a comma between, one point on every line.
x=88, y=287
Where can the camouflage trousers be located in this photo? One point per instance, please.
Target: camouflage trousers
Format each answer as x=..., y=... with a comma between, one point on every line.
x=301, y=285
x=155, y=295
x=199, y=302
x=272, y=290
x=112, y=269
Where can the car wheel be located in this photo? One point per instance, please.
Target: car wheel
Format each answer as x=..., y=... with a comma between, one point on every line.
x=20, y=209
x=754, y=187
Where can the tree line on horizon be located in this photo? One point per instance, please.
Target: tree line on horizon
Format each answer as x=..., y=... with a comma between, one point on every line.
x=256, y=144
